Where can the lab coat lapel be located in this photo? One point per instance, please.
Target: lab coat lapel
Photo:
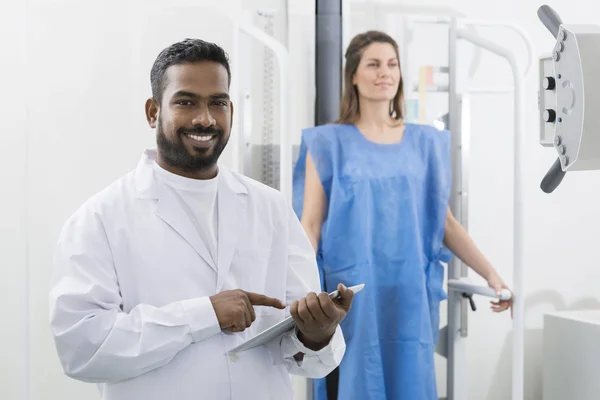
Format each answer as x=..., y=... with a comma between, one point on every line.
x=169, y=208
x=231, y=213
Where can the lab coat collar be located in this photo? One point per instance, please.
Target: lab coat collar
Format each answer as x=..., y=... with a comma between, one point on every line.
x=147, y=186
x=231, y=200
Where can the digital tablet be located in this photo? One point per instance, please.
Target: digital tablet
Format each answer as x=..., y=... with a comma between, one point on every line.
x=282, y=327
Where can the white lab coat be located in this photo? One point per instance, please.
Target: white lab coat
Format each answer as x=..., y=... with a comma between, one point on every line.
x=129, y=296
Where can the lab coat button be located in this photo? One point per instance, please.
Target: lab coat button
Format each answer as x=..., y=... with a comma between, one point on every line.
x=233, y=357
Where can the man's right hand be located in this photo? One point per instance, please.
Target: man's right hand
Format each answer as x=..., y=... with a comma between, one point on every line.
x=235, y=308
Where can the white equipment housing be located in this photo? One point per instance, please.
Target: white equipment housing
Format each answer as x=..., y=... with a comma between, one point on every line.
x=569, y=121
x=568, y=100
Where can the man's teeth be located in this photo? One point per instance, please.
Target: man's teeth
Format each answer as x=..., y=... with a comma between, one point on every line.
x=204, y=138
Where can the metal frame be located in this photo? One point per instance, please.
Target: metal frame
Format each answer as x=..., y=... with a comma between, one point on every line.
x=457, y=380
x=518, y=263
x=285, y=146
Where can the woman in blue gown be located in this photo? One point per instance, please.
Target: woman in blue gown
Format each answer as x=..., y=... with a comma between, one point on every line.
x=372, y=193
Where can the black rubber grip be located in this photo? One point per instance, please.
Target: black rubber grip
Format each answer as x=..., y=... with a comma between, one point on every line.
x=550, y=19
x=553, y=177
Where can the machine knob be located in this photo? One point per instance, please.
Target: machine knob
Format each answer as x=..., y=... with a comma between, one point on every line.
x=560, y=47
x=557, y=141
x=562, y=35
x=549, y=115
x=549, y=83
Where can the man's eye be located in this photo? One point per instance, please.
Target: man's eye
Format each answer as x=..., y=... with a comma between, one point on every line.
x=220, y=103
x=184, y=103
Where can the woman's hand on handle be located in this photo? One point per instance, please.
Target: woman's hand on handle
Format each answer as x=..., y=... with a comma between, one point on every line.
x=496, y=282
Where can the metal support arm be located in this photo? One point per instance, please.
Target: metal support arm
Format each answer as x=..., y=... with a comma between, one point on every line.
x=464, y=286
x=518, y=264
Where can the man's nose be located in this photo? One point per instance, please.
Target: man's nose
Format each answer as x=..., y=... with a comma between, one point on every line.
x=204, y=118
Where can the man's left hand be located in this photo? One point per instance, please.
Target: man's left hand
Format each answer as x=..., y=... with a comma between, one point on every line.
x=317, y=316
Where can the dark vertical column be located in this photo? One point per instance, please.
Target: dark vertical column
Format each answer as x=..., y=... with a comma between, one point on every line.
x=328, y=60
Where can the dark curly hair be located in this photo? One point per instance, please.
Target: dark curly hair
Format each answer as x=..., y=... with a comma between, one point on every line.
x=186, y=51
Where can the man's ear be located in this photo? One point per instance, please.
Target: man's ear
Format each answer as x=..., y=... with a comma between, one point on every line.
x=152, y=110
x=231, y=116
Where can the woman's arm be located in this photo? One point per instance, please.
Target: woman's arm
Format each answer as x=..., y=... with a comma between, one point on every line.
x=457, y=239
x=315, y=204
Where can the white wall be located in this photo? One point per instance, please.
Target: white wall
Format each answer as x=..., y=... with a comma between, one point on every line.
x=73, y=120
x=13, y=244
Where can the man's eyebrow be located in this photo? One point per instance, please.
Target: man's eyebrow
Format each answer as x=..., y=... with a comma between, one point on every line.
x=183, y=93
x=220, y=96
x=216, y=96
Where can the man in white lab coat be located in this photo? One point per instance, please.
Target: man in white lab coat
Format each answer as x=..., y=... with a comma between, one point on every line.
x=160, y=274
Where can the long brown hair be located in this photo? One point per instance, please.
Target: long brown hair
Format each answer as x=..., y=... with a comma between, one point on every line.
x=349, y=107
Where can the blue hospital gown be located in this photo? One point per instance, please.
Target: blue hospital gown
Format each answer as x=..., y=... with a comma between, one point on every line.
x=384, y=227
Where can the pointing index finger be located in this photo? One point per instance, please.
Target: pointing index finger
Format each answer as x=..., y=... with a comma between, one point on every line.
x=262, y=300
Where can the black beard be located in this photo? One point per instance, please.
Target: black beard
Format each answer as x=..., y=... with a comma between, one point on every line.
x=176, y=154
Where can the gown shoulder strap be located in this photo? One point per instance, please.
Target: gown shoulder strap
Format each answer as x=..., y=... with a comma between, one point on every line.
x=321, y=142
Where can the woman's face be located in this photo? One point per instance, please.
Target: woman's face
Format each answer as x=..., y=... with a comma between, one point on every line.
x=378, y=75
